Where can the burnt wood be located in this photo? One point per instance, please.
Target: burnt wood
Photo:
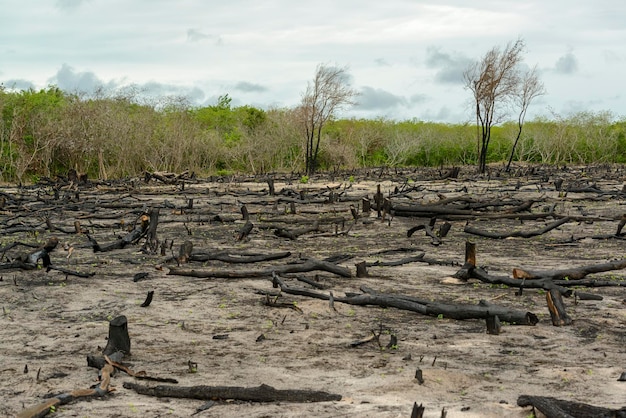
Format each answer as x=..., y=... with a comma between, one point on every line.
x=262, y=393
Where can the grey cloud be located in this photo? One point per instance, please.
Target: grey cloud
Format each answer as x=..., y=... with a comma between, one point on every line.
x=18, y=84
x=372, y=99
x=85, y=82
x=69, y=5
x=613, y=57
x=156, y=90
x=418, y=98
x=67, y=79
x=247, y=87
x=444, y=114
x=195, y=35
x=567, y=64
x=382, y=62
x=449, y=67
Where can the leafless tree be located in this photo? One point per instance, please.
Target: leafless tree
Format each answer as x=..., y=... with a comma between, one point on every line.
x=329, y=92
x=494, y=81
x=530, y=88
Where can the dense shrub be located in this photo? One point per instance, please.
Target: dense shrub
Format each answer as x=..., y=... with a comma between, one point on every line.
x=48, y=132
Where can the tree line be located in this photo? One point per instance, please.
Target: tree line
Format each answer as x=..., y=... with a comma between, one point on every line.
x=44, y=133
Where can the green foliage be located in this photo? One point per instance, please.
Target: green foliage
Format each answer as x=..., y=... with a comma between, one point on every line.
x=46, y=132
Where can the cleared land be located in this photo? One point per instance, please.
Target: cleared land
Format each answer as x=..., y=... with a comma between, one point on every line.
x=51, y=320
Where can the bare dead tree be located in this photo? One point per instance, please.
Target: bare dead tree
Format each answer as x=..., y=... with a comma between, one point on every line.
x=329, y=92
x=530, y=88
x=494, y=82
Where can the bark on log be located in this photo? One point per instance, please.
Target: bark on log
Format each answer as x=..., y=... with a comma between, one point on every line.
x=148, y=300
x=418, y=411
x=131, y=238
x=262, y=393
x=575, y=273
x=493, y=325
x=235, y=258
x=546, y=284
x=425, y=307
x=44, y=408
x=308, y=265
x=119, y=341
x=184, y=253
x=521, y=234
x=428, y=229
x=361, y=269
x=152, y=242
x=455, y=311
x=557, y=309
x=413, y=259
x=558, y=408
x=294, y=234
x=245, y=230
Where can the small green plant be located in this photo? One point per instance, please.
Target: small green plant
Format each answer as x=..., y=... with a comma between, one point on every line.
x=440, y=316
x=224, y=173
x=304, y=179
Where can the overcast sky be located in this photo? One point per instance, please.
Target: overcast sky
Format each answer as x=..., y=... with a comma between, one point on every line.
x=406, y=57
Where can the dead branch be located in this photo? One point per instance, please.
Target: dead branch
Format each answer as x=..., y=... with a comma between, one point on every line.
x=406, y=260
x=575, y=273
x=239, y=258
x=557, y=309
x=422, y=306
x=262, y=393
x=521, y=234
x=558, y=408
x=294, y=234
x=131, y=238
x=307, y=266
x=50, y=405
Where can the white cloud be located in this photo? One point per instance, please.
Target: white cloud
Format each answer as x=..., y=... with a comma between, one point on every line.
x=399, y=49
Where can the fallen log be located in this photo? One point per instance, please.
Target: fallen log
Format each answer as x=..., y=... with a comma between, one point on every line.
x=575, y=273
x=118, y=345
x=428, y=229
x=295, y=233
x=405, y=260
x=262, y=393
x=68, y=272
x=546, y=283
x=558, y=408
x=131, y=238
x=483, y=310
x=521, y=234
x=50, y=405
x=229, y=257
x=423, y=306
x=307, y=266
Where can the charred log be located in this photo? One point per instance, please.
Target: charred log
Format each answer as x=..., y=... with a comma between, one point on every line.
x=262, y=393
x=558, y=408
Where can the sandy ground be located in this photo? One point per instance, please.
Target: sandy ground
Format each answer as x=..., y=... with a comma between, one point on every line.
x=50, y=322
